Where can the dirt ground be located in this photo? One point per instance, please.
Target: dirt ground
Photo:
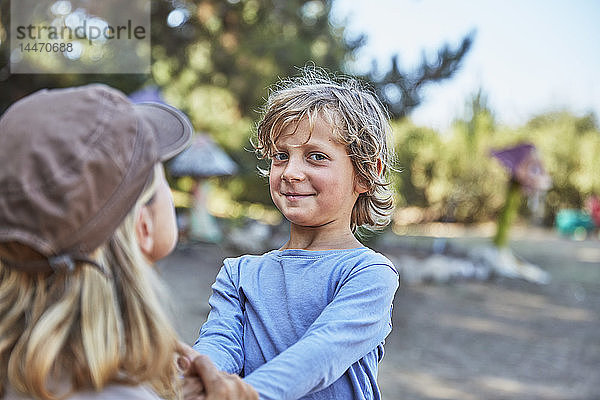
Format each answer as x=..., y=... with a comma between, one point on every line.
x=500, y=339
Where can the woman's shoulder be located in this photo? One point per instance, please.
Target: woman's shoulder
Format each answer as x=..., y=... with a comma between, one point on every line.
x=118, y=392
x=111, y=392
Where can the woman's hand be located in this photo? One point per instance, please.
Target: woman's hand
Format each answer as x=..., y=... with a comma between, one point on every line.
x=202, y=380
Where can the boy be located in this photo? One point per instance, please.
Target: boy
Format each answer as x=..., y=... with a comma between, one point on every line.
x=309, y=320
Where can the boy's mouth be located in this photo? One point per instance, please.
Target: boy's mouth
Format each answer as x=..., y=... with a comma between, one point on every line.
x=297, y=196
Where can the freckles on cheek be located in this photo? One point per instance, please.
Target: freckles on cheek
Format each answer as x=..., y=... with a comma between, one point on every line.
x=272, y=181
x=272, y=186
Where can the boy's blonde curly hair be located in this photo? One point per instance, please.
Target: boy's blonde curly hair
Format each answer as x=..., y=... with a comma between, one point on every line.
x=358, y=120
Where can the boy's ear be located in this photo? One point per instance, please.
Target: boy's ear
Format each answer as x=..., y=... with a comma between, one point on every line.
x=360, y=186
x=144, y=229
x=379, y=166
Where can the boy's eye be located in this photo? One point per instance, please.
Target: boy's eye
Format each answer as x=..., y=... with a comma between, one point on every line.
x=280, y=156
x=317, y=157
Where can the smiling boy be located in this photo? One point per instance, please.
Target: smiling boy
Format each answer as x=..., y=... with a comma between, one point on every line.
x=309, y=320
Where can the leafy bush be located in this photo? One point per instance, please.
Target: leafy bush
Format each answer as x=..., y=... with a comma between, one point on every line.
x=454, y=177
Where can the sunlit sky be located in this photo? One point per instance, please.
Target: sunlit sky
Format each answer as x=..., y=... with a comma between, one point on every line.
x=529, y=56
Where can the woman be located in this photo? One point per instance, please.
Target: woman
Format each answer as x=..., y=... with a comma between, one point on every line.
x=84, y=212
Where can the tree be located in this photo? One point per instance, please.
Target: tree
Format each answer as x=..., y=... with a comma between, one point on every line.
x=215, y=59
x=244, y=46
x=401, y=91
x=16, y=86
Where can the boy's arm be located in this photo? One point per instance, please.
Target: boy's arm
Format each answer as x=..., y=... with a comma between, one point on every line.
x=355, y=322
x=221, y=336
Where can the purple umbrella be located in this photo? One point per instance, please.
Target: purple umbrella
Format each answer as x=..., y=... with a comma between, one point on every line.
x=525, y=166
x=511, y=157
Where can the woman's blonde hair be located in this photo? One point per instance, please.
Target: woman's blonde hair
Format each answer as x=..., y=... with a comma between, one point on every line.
x=84, y=329
x=358, y=120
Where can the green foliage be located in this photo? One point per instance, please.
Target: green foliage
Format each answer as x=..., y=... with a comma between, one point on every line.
x=245, y=46
x=569, y=146
x=16, y=86
x=417, y=153
x=454, y=177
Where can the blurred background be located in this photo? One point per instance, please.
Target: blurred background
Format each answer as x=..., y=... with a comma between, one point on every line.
x=494, y=107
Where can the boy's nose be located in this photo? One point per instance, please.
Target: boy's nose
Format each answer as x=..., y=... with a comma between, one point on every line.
x=292, y=171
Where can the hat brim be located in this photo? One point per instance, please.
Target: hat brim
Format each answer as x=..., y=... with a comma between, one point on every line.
x=172, y=129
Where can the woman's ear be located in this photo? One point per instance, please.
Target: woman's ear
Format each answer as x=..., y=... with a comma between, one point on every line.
x=144, y=228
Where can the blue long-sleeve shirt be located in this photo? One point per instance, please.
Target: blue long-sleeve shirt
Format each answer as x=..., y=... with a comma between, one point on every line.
x=300, y=323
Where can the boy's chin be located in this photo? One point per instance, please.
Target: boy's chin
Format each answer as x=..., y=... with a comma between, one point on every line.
x=306, y=223
x=300, y=222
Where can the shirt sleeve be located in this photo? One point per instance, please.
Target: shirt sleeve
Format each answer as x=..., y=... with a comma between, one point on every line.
x=355, y=322
x=221, y=336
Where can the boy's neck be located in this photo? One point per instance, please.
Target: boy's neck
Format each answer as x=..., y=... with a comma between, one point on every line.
x=321, y=238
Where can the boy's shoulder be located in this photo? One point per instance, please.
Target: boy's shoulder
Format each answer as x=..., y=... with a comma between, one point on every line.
x=376, y=256
x=247, y=259
x=244, y=258
x=372, y=257
x=359, y=257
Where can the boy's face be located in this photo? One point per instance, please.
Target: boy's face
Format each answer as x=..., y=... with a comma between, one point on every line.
x=312, y=181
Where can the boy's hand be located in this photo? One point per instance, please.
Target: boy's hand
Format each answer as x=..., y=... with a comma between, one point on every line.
x=202, y=380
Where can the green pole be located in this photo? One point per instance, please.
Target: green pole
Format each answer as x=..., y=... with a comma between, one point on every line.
x=508, y=213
